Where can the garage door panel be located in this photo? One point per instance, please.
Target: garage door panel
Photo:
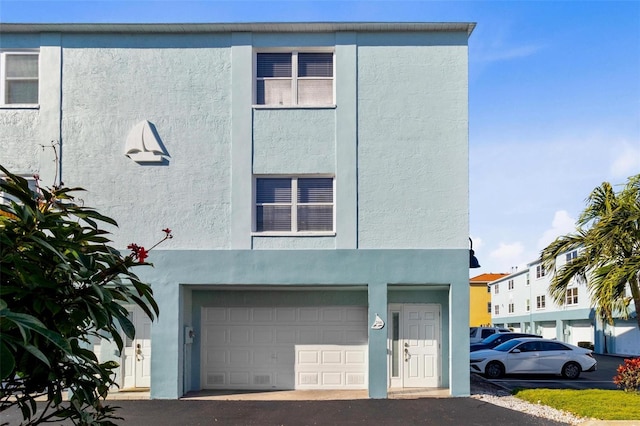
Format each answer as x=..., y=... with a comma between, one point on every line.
x=263, y=335
x=239, y=335
x=215, y=315
x=264, y=315
x=239, y=315
x=215, y=335
x=309, y=336
x=258, y=350
x=309, y=315
x=333, y=315
x=285, y=315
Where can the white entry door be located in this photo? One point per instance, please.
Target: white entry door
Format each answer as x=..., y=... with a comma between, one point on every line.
x=414, y=345
x=136, y=357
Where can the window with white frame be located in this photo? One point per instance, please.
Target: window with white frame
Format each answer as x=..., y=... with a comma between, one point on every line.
x=540, y=272
x=572, y=296
x=540, y=302
x=511, y=308
x=571, y=255
x=7, y=199
x=19, y=73
x=496, y=309
x=528, y=281
x=294, y=204
x=510, y=283
x=294, y=78
x=528, y=305
x=496, y=289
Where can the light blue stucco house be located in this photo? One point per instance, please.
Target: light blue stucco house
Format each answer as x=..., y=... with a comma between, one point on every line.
x=315, y=177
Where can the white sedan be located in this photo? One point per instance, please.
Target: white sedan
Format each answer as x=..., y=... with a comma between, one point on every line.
x=533, y=356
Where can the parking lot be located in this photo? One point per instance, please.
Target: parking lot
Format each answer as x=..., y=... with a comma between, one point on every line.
x=602, y=378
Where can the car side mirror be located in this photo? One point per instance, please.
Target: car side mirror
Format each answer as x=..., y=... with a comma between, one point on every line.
x=515, y=351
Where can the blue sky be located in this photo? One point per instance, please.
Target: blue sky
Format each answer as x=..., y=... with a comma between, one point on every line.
x=554, y=96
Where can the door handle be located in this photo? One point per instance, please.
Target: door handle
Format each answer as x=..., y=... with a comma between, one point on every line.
x=139, y=356
x=407, y=355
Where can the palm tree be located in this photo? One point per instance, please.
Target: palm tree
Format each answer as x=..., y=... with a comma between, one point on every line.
x=607, y=239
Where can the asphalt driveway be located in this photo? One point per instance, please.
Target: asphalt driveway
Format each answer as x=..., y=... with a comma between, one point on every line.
x=428, y=411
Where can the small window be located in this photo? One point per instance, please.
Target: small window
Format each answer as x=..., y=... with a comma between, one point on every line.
x=7, y=199
x=528, y=281
x=496, y=289
x=540, y=272
x=294, y=204
x=540, y=302
x=488, y=307
x=571, y=255
x=511, y=308
x=572, y=296
x=528, y=305
x=19, y=72
x=294, y=79
x=510, y=284
x=496, y=310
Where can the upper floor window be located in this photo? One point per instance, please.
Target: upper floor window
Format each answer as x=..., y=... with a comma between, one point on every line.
x=540, y=272
x=571, y=255
x=528, y=305
x=572, y=296
x=294, y=204
x=496, y=289
x=510, y=283
x=528, y=281
x=294, y=79
x=7, y=199
x=19, y=73
x=496, y=310
x=540, y=302
x=511, y=308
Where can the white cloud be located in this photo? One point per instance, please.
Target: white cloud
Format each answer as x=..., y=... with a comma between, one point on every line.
x=562, y=224
x=508, y=255
x=626, y=161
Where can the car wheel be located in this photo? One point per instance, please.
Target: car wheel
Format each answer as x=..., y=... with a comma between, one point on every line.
x=571, y=370
x=494, y=370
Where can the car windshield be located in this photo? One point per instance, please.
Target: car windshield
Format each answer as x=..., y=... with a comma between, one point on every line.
x=507, y=346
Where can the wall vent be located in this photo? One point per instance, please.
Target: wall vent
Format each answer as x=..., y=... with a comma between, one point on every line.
x=215, y=379
x=262, y=379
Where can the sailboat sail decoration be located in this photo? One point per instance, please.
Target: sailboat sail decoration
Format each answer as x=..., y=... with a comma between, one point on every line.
x=378, y=324
x=143, y=145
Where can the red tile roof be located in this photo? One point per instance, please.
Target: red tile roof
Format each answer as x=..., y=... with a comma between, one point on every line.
x=487, y=278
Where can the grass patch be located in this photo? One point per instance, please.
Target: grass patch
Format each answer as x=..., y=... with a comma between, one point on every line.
x=590, y=403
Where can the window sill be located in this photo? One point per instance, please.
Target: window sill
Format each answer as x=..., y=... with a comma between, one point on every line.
x=293, y=234
x=19, y=106
x=294, y=106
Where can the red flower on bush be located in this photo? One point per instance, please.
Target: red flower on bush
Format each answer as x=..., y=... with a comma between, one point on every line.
x=140, y=253
x=628, y=377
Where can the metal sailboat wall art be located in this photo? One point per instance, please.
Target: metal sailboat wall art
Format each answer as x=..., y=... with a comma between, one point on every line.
x=143, y=144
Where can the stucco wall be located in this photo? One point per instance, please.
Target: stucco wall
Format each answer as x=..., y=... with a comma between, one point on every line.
x=183, y=87
x=412, y=140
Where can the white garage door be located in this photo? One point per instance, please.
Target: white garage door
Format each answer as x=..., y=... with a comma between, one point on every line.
x=580, y=332
x=548, y=330
x=284, y=348
x=627, y=338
